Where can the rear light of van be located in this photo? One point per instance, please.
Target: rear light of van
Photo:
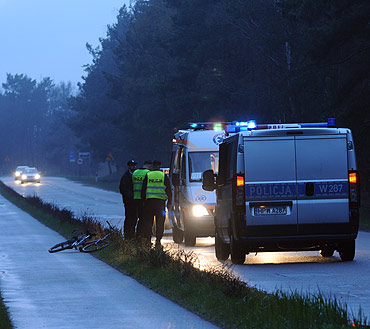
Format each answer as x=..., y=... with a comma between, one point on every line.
x=239, y=193
x=354, y=190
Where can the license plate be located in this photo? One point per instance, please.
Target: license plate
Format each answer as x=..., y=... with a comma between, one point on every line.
x=266, y=211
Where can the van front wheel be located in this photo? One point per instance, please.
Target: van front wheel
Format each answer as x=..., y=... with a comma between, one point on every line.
x=177, y=234
x=237, y=253
x=347, y=251
x=190, y=238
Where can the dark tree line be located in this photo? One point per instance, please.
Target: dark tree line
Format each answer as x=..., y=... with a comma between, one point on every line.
x=32, y=131
x=165, y=63
x=169, y=62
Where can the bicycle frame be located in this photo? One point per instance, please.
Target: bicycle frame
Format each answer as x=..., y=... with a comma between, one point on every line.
x=99, y=243
x=80, y=241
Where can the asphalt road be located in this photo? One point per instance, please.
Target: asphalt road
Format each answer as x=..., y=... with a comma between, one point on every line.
x=305, y=272
x=82, y=200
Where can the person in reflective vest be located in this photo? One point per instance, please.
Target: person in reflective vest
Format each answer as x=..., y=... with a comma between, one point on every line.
x=137, y=180
x=155, y=191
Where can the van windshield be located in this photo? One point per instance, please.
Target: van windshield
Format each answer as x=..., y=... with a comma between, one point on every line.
x=202, y=161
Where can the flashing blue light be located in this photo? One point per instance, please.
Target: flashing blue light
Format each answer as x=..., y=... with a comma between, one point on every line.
x=231, y=129
x=193, y=125
x=332, y=122
x=247, y=124
x=252, y=124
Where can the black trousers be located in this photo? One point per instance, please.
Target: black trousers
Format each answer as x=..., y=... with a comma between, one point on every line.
x=130, y=219
x=154, y=208
x=140, y=229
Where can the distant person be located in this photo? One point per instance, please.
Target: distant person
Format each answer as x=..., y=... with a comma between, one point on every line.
x=155, y=191
x=137, y=180
x=127, y=191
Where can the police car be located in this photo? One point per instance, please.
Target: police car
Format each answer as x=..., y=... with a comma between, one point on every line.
x=286, y=187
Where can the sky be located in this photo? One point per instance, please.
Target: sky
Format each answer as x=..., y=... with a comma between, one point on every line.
x=47, y=38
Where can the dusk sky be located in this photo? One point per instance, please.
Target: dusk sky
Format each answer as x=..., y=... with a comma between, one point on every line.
x=47, y=38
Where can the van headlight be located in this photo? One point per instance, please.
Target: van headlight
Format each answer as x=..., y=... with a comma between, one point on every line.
x=17, y=174
x=199, y=210
x=24, y=176
x=37, y=176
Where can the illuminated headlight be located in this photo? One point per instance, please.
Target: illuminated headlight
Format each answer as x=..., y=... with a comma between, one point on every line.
x=199, y=211
x=37, y=176
x=24, y=176
x=17, y=174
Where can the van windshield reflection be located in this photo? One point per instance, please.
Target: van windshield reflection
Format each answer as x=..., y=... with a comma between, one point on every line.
x=200, y=162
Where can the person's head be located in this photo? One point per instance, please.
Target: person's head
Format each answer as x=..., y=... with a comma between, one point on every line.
x=148, y=164
x=131, y=165
x=157, y=164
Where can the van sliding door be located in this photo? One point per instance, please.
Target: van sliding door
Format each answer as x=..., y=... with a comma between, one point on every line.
x=322, y=181
x=271, y=188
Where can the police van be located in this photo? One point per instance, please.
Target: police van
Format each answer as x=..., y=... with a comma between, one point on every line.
x=286, y=187
x=194, y=150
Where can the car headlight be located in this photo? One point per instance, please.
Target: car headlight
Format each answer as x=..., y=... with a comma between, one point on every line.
x=17, y=173
x=24, y=176
x=37, y=176
x=199, y=210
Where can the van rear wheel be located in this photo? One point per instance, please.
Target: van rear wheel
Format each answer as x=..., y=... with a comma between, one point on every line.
x=347, y=251
x=222, y=249
x=237, y=253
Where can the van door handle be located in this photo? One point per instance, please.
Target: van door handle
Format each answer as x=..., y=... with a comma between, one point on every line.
x=310, y=189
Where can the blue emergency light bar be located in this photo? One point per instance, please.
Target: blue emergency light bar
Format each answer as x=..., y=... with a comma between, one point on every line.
x=238, y=126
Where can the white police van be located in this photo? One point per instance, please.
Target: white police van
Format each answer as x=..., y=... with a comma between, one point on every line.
x=286, y=187
x=194, y=151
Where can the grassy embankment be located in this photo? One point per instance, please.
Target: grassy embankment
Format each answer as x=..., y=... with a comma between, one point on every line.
x=4, y=317
x=214, y=293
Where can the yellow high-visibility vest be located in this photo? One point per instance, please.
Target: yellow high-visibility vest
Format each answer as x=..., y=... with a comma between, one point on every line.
x=155, y=188
x=137, y=180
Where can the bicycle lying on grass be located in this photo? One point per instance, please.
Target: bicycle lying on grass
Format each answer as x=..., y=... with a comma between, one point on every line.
x=83, y=243
x=99, y=243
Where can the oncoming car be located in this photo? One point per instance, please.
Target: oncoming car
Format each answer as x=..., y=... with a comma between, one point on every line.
x=19, y=171
x=30, y=175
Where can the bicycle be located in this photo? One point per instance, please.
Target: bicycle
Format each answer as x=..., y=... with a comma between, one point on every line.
x=76, y=242
x=99, y=243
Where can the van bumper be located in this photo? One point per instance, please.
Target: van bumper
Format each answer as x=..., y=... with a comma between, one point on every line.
x=294, y=243
x=293, y=237
x=200, y=226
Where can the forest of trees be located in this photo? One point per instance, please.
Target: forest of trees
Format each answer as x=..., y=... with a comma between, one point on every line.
x=165, y=63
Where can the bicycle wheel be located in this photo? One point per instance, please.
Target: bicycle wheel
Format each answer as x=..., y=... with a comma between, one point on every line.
x=61, y=246
x=95, y=245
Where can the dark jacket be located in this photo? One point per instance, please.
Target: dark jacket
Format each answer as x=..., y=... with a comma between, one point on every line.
x=126, y=187
x=166, y=183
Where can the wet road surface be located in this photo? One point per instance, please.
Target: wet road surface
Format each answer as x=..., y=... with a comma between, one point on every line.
x=70, y=289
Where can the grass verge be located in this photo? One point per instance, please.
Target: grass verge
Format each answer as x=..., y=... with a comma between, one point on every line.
x=214, y=293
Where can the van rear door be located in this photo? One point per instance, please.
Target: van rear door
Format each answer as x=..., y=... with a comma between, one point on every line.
x=322, y=183
x=271, y=188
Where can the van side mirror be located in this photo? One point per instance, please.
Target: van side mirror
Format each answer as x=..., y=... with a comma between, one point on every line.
x=208, y=180
x=175, y=179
